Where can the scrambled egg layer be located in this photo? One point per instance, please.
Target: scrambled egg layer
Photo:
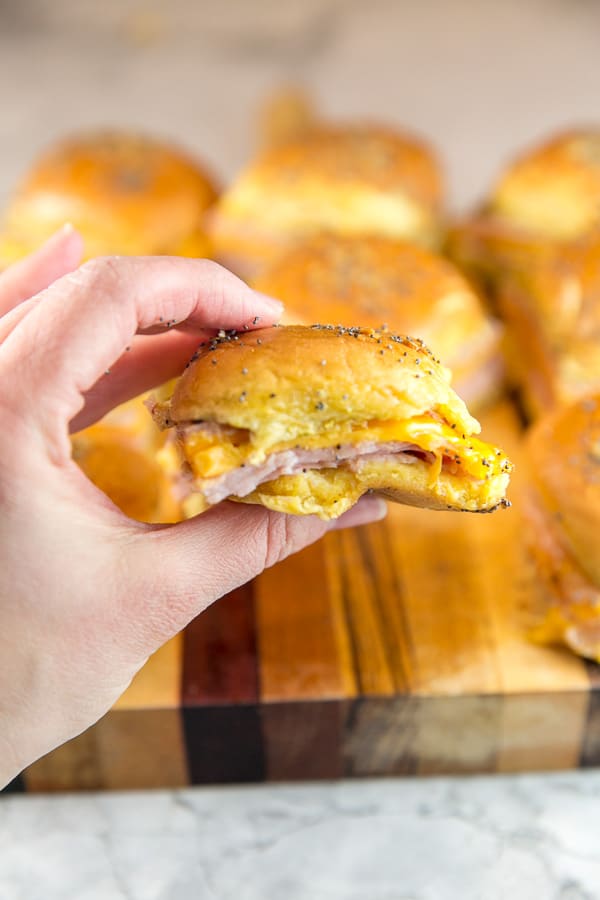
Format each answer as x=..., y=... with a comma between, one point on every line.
x=212, y=454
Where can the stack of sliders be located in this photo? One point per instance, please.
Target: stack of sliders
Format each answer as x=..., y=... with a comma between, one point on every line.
x=375, y=280
x=535, y=244
x=563, y=516
x=306, y=419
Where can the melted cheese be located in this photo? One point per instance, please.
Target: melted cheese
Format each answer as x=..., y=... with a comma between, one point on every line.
x=211, y=454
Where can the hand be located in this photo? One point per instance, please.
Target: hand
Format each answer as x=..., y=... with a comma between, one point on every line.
x=86, y=594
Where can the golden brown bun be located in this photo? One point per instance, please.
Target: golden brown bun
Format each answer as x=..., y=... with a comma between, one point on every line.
x=553, y=190
x=247, y=397
x=547, y=196
x=376, y=280
x=115, y=462
x=486, y=248
x=563, y=513
x=353, y=180
x=125, y=193
x=564, y=449
x=552, y=312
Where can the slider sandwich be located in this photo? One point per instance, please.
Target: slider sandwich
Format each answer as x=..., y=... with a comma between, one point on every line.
x=551, y=309
x=563, y=513
x=126, y=194
x=372, y=280
x=548, y=195
x=306, y=419
x=347, y=180
x=123, y=464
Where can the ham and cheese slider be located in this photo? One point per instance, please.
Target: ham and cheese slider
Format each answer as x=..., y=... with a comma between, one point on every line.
x=122, y=465
x=306, y=419
x=347, y=180
x=563, y=511
x=549, y=195
x=126, y=193
x=551, y=310
x=375, y=280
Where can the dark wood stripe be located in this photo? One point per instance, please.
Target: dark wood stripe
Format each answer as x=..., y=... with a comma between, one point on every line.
x=303, y=740
x=224, y=744
x=16, y=786
x=219, y=693
x=219, y=653
x=590, y=749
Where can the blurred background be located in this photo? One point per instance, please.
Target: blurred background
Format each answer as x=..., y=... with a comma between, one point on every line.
x=479, y=78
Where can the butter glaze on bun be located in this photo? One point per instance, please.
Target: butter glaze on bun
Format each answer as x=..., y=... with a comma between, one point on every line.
x=547, y=196
x=126, y=193
x=306, y=419
x=375, y=280
x=563, y=510
x=353, y=180
x=553, y=190
x=552, y=313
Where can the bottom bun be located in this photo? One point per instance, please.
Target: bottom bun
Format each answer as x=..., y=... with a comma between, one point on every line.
x=328, y=493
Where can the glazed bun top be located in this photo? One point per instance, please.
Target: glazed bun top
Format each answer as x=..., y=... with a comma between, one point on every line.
x=125, y=192
x=363, y=156
x=564, y=452
x=553, y=189
x=349, y=180
x=564, y=288
x=377, y=280
x=285, y=381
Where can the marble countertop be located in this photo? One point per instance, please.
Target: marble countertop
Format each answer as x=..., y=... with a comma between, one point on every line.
x=518, y=837
x=480, y=79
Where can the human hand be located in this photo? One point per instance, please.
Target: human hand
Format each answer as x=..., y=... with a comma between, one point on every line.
x=86, y=594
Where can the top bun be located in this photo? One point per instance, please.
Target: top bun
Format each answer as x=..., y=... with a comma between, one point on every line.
x=293, y=380
x=353, y=180
x=553, y=190
x=125, y=193
x=377, y=280
x=564, y=450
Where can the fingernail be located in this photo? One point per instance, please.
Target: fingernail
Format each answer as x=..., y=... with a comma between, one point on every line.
x=368, y=509
x=60, y=233
x=273, y=306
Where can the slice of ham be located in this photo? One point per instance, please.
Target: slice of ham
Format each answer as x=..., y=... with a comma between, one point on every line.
x=246, y=478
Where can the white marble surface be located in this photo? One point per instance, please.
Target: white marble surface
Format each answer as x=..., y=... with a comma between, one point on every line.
x=502, y=838
x=480, y=78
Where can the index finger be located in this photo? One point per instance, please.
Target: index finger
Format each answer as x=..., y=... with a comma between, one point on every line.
x=60, y=254
x=87, y=319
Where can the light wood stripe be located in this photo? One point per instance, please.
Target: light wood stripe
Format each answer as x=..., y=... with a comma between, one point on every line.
x=158, y=684
x=302, y=634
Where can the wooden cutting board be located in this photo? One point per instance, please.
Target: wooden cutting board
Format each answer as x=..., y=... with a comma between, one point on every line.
x=397, y=648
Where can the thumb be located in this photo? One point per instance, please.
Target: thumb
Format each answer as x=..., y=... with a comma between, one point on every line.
x=208, y=556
